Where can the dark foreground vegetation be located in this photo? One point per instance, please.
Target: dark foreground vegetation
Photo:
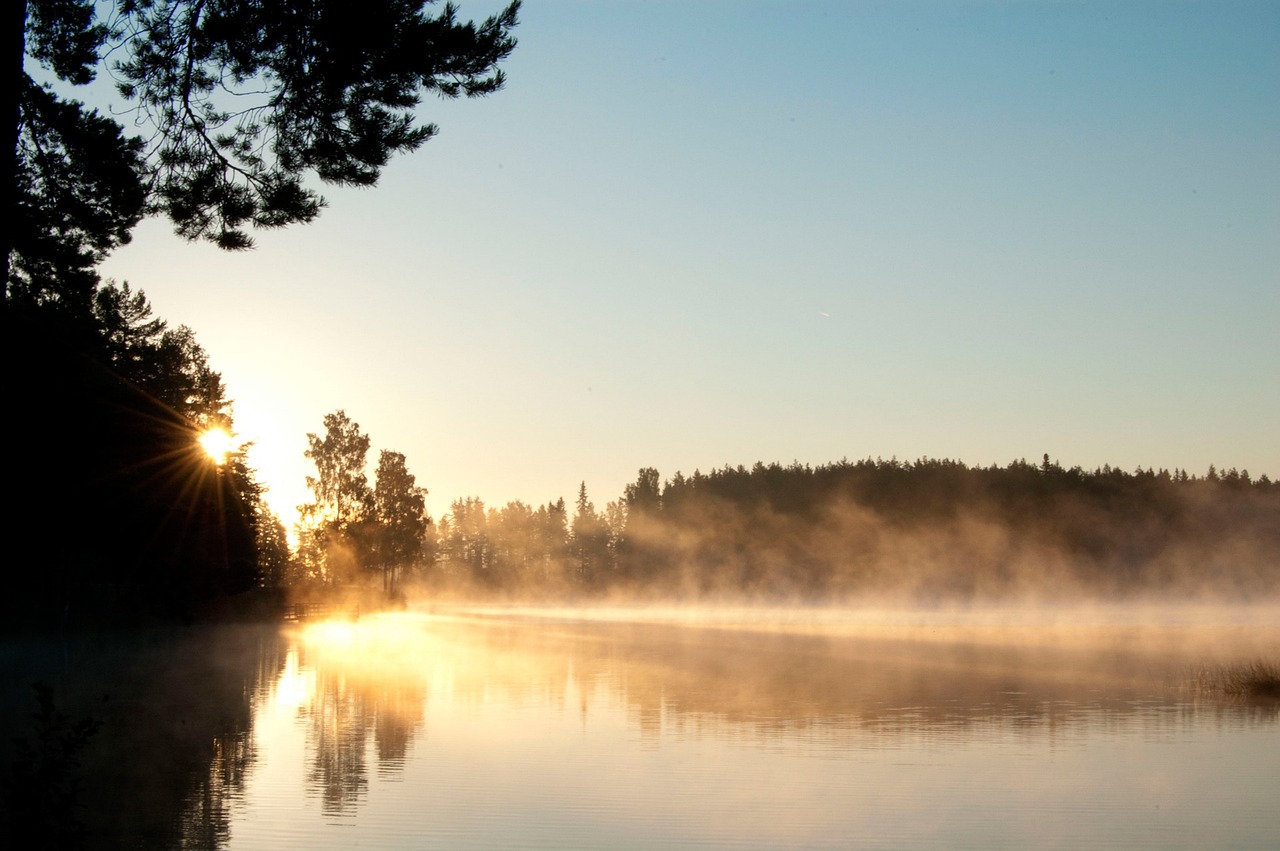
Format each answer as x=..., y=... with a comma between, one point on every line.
x=1255, y=681
x=122, y=514
x=115, y=512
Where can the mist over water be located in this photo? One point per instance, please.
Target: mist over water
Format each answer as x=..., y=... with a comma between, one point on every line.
x=747, y=727
x=930, y=533
x=862, y=653
x=480, y=726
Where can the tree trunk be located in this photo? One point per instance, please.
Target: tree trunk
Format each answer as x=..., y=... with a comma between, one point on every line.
x=15, y=34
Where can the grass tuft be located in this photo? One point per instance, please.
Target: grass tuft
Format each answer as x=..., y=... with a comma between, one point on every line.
x=1258, y=679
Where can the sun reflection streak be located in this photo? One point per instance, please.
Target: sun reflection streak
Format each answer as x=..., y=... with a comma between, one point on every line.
x=294, y=687
x=387, y=646
x=413, y=723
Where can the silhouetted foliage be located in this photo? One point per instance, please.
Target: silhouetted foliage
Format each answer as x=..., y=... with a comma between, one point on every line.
x=351, y=531
x=401, y=518
x=938, y=529
x=169, y=363
x=334, y=521
x=239, y=104
x=341, y=488
x=275, y=559
x=927, y=531
x=122, y=508
x=76, y=193
x=590, y=542
x=244, y=100
x=46, y=780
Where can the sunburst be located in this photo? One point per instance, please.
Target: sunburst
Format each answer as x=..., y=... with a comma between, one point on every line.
x=218, y=443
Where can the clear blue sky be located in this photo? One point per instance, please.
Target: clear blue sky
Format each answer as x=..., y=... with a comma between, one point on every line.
x=690, y=234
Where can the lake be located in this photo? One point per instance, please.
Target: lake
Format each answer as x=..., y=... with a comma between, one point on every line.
x=687, y=728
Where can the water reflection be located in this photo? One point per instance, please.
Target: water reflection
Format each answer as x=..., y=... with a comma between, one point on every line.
x=175, y=745
x=361, y=688
x=517, y=729
x=869, y=678
x=543, y=729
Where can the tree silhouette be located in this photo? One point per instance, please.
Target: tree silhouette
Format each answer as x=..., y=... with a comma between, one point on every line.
x=343, y=502
x=927, y=531
x=350, y=528
x=469, y=542
x=553, y=535
x=74, y=192
x=340, y=487
x=169, y=363
x=238, y=104
x=590, y=540
x=244, y=100
x=108, y=419
x=400, y=510
x=275, y=564
x=241, y=108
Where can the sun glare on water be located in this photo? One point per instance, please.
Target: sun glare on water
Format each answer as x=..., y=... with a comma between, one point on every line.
x=217, y=444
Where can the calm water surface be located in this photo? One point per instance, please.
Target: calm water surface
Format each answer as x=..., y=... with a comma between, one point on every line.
x=714, y=729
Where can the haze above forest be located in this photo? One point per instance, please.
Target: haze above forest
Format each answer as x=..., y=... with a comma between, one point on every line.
x=971, y=231
x=928, y=532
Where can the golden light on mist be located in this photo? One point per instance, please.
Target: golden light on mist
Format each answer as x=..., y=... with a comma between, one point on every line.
x=333, y=633
x=295, y=686
x=218, y=443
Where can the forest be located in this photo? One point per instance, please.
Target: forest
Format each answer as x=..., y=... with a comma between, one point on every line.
x=163, y=530
x=923, y=532
x=118, y=514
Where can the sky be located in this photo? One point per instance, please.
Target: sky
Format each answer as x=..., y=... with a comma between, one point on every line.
x=691, y=234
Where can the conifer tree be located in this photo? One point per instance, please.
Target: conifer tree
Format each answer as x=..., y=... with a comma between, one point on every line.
x=239, y=106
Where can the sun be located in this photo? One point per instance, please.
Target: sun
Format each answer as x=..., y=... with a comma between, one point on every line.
x=217, y=444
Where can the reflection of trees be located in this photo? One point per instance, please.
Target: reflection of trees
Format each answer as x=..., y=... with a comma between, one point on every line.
x=824, y=687
x=397, y=711
x=337, y=736
x=909, y=684
x=206, y=819
x=237, y=668
x=181, y=744
x=354, y=697
x=175, y=744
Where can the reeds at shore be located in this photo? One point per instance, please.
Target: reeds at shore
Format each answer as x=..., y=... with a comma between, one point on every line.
x=1257, y=679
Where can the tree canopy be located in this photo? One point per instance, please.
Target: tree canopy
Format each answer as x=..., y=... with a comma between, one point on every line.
x=350, y=529
x=122, y=512
x=401, y=513
x=237, y=106
x=340, y=486
x=235, y=113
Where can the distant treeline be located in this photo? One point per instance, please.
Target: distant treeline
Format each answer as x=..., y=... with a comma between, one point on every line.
x=118, y=515
x=924, y=531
